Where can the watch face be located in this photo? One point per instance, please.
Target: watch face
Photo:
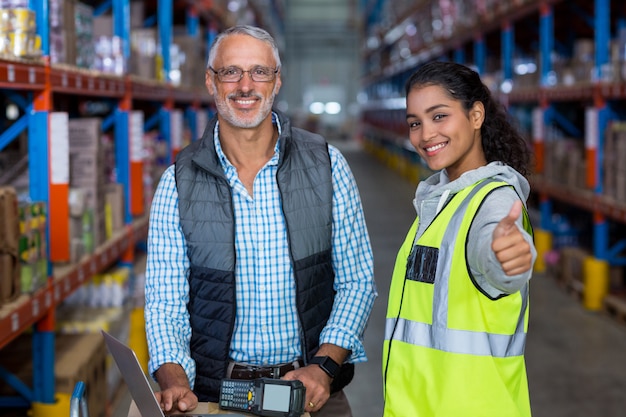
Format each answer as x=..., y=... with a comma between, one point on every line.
x=327, y=364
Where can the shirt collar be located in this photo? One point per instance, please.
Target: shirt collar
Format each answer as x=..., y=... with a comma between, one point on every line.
x=218, y=146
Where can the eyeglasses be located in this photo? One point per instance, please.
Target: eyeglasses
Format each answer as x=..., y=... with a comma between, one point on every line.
x=235, y=74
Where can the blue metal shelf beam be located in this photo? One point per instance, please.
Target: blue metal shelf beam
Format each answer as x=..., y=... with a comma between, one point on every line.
x=102, y=8
x=546, y=43
x=121, y=24
x=480, y=54
x=122, y=157
x=602, y=34
x=152, y=122
x=43, y=26
x=21, y=388
x=17, y=99
x=192, y=21
x=164, y=22
x=13, y=131
x=565, y=123
x=459, y=55
x=507, y=46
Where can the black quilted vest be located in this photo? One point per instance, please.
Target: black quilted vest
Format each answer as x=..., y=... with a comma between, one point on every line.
x=207, y=220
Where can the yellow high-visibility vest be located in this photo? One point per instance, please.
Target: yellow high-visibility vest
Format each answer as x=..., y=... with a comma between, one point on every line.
x=450, y=350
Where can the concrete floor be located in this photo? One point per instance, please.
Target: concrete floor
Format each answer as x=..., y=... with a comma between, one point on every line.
x=576, y=359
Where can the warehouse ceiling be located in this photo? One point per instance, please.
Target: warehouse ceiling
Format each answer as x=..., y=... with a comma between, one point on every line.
x=321, y=24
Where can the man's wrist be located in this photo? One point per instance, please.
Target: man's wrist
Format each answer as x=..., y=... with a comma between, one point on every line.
x=327, y=364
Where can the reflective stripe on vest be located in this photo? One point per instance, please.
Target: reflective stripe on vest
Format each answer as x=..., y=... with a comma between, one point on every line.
x=441, y=337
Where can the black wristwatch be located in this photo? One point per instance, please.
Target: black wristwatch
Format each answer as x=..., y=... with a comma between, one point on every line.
x=327, y=364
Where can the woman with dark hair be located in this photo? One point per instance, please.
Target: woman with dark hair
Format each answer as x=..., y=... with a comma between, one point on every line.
x=458, y=302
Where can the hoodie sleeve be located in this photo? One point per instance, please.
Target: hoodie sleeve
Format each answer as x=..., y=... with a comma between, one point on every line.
x=484, y=266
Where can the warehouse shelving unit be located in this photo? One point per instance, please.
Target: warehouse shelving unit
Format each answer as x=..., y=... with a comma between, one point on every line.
x=33, y=84
x=501, y=32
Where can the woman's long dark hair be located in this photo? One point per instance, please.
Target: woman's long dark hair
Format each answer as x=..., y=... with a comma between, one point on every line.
x=500, y=139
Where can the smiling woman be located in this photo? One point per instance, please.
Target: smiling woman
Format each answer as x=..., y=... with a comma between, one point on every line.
x=458, y=299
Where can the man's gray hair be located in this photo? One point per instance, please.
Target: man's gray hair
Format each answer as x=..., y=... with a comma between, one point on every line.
x=252, y=31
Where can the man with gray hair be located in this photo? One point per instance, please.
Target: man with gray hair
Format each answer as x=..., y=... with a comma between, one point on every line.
x=259, y=259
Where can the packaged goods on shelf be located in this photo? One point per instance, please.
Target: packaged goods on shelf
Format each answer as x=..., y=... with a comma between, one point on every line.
x=33, y=253
x=614, y=155
x=10, y=266
x=9, y=225
x=87, y=169
x=565, y=162
x=10, y=287
x=191, y=57
x=106, y=290
x=61, y=33
x=18, y=34
x=83, y=29
x=154, y=163
x=71, y=33
x=114, y=209
x=143, y=45
x=137, y=14
x=81, y=225
x=109, y=57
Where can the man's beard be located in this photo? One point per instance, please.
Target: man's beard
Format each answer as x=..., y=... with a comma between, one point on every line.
x=230, y=115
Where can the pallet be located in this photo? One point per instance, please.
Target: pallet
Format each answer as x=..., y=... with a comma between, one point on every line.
x=616, y=307
x=574, y=288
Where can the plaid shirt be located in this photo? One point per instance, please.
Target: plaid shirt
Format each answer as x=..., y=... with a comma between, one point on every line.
x=266, y=328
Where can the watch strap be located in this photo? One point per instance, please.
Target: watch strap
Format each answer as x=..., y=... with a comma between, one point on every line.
x=327, y=364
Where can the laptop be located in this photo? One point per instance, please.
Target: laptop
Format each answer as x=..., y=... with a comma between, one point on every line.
x=137, y=382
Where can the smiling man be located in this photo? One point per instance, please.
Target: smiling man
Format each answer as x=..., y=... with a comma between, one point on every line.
x=259, y=259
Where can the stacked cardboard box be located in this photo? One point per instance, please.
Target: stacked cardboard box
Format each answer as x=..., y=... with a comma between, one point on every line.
x=83, y=357
x=87, y=180
x=191, y=61
x=565, y=162
x=614, y=155
x=9, y=240
x=143, y=52
x=71, y=33
x=114, y=209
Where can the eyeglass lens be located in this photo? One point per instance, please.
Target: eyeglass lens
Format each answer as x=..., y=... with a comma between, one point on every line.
x=257, y=73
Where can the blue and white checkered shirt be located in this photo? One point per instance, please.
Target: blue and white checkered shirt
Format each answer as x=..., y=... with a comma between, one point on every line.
x=266, y=329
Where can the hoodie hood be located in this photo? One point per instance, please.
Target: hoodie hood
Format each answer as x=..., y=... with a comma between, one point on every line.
x=438, y=187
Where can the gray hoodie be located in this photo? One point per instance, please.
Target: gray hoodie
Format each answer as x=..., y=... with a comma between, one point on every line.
x=432, y=194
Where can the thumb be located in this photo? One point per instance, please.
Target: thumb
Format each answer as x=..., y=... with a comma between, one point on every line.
x=508, y=222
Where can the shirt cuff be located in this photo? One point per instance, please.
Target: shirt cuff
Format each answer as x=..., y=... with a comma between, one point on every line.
x=342, y=339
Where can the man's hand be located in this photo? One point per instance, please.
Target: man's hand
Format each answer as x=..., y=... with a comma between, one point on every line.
x=509, y=245
x=317, y=384
x=316, y=381
x=175, y=394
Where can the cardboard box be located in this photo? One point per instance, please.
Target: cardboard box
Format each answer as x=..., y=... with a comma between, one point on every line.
x=571, y=264
x=143, y=45
x=10, y=286
x=78, y=357
x=115, y=208
x=9, y=221
x=83, y=358
x=87, y=170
